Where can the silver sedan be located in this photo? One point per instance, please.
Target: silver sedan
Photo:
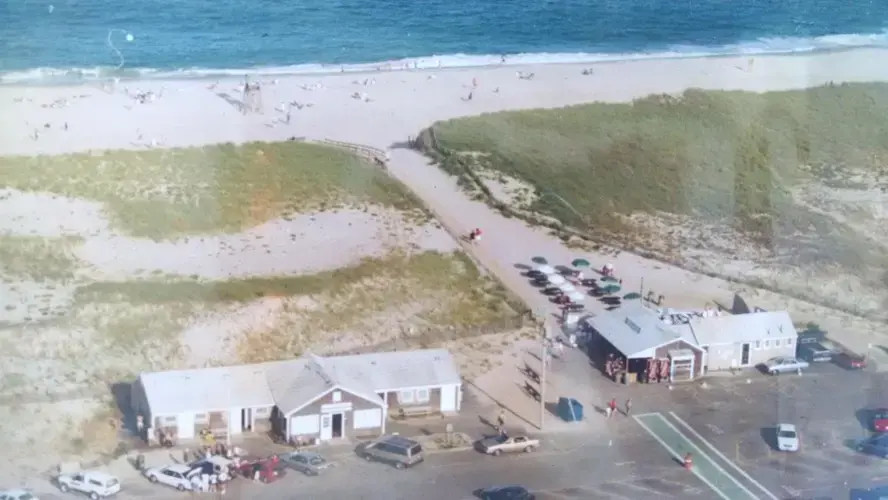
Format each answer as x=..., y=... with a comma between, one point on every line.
x=309, y=463
x=784, y=364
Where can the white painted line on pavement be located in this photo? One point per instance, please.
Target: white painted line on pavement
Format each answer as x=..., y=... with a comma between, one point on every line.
x=722, y=456
x=705, y=456
x=645, y=415
x=677, y=456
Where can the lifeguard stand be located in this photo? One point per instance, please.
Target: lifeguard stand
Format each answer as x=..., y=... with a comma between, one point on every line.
x=252, y=100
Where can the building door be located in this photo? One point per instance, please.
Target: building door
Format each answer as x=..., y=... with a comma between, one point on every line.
x=337, y=425
x=247, y=419
x=744, y=355
x=326, y=426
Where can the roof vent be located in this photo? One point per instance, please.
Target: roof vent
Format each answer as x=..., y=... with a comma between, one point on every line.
x=373, y=362
x=780, y=328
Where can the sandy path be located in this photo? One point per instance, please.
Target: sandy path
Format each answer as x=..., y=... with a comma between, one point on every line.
x=400, y=104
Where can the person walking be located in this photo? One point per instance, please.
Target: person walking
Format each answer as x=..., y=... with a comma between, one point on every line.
x=611, y=407
x=628, y=406
x=501, y=421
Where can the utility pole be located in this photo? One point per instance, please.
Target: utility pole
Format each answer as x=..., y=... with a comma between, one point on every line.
x=544, y=362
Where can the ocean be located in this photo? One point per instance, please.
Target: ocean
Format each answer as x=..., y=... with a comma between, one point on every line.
x=53, y=41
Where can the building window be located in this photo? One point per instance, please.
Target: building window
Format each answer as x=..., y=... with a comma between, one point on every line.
x=263, y=411
x=767, y=344
x=788, y=341
x=169, y=420
x=201, y=418
x=422, y=396
x=406, y=397
x=758, y=344
x=337, y=396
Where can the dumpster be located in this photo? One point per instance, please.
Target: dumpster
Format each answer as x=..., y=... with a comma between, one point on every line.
x=570, y=410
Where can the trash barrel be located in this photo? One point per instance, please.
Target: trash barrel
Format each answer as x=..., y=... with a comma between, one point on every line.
x=570, y=410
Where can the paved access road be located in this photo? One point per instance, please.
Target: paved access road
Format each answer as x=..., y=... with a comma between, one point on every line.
x=566, y=467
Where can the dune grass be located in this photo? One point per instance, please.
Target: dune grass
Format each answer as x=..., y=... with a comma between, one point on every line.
x=37, y=259
x=463, y=298
x=720, y=156
x=227, y=187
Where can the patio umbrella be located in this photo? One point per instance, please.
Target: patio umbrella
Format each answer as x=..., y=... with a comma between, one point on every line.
x=576, y=297
x=567, y=288
x=545, y=270
x=609, y=289
x=608, y=278
x=632, y=296
x=557, y=280
x=578, y=263
x=540, y=260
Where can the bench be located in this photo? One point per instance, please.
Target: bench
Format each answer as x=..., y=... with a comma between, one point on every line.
x=414, y=411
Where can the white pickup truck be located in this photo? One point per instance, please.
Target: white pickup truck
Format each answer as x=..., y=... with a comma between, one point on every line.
x=94, y=484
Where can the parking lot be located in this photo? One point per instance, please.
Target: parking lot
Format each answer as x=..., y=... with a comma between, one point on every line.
x=825, y=405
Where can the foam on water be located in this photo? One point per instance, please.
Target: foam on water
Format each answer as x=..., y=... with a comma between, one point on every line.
x=762, y=46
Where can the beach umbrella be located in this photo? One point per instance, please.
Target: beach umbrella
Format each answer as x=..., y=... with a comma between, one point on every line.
x=580, y=263
x=608, y=279
x=632, y=296
x=567, y=288
x=545, y=270
x=557, y=280
x=540, y=260
x=609, y=289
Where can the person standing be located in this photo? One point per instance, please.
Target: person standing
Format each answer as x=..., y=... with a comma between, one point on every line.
x=611, y=407
x=628, y=406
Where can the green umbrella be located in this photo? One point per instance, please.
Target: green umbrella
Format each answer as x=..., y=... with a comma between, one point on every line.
x=632, y=296
x=608, y=278
x=540, y=260
x=580, y=263
x=609, y=289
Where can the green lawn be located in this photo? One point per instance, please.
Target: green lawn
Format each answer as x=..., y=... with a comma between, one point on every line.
x=727, y=157
x=173, y=192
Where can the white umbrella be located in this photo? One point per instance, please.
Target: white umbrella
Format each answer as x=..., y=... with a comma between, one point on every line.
x=576, y=297
x=557, y=280
x=567, y=288
x=544, y=269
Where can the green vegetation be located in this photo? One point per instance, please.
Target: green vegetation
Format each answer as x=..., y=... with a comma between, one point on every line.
x=37, y=259
x=727, y=157
x=443, y=290
x=227, y=187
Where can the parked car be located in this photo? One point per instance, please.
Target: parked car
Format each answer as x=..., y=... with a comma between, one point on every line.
x=511, y=492
x=815, y=351
x=878, y=420
x=850, y=360
x=875, y=445
x=784, y=364
x=266, y=470
x=215, y=465
x=308, y=463
x=395, y=450
x=17, y=495
x=498, y=445
x=94, y=484
x=787, y=438
x=877, y=493
x=175, y=476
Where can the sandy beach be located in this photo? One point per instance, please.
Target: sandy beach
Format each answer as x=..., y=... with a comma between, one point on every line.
x=378, y=109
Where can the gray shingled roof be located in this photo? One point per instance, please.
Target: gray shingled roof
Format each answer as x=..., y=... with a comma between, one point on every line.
x=633, y=329
x=292, y=384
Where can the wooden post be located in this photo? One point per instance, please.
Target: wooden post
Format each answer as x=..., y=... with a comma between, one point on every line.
x=544, y=359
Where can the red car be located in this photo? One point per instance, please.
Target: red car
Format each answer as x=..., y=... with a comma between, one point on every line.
x=266, y=470
x=879, y=420
x=850, y=361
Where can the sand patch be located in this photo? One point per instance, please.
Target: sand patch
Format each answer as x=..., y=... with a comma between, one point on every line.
x=301, y=244
x=49, y=215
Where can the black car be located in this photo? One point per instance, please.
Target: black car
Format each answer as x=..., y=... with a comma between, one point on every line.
x=850, y=361
x=511, y=492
